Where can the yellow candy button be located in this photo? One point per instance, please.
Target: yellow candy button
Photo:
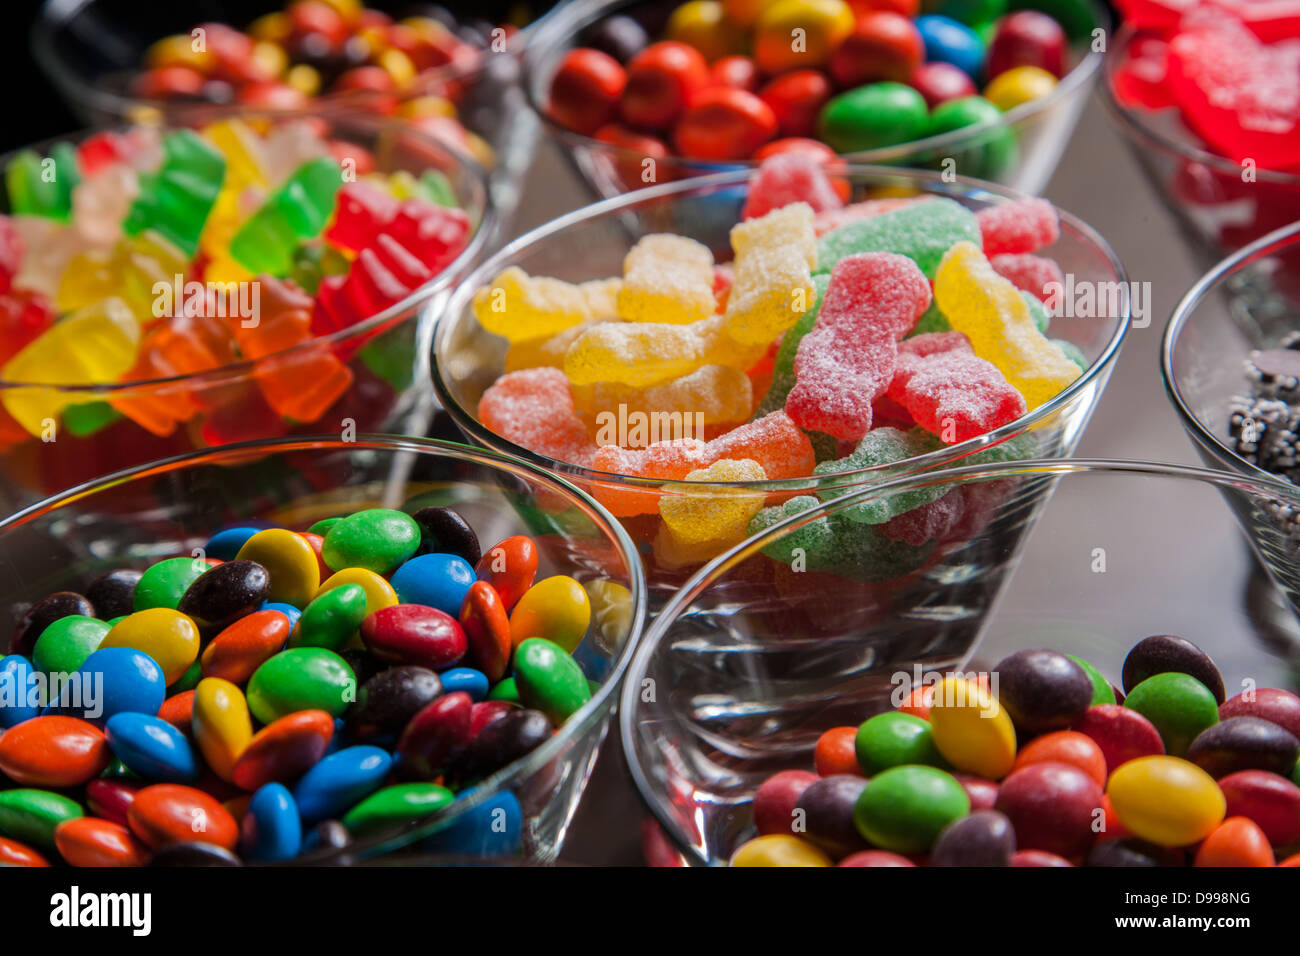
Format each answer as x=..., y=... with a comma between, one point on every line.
x=221, y=724
x=557, y=609
x=168, y=636
x=971, y=729
x=777, y=849
x=1166, y=800
x=1020, y=84
x=800, y=34
x=289, y=559
x=379, y=593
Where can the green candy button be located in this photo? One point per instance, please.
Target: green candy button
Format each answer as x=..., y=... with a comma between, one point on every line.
x=64, y=646
x=893, y=739
x=331, y=619
x=873, y=116
x=166, y=582
x=301, y=678
x=30, y=816
x=377, y=539
x=1178, y=706
x=392, y=806
x=549, y=679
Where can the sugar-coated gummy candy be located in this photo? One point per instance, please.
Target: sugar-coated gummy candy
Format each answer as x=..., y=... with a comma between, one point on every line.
x=667, y=278
x=789, y=178
x=534, y=409
x=699, y=523
x=521, y=307
x=1030, y=273
x=1018, y=227
x=711, y=395
x=645, y=353
x=923, y=231
x=954, y=393
x=775, y=255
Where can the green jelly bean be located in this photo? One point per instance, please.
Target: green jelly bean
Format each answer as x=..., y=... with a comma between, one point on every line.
x=1102, y=692
x=987, y=152
x=30, y=816
x=872, y=116
x=377, y=539
x=1178, y=706
x=506, y=689
x=549, y=679
x=323, y=526
x=66, y=643
x=301, y=678
x=331, y=619
x=165, y=583
x=905, y=808
x=395, y=805
x=893, y=739
x=922, y=231
x=189, y=680
x=783, y=378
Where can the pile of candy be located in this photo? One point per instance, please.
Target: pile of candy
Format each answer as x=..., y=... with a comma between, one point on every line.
x=416, y=67
x=1042, y=762
x=143, y=255
x=839, y=338
x=1264, y=426
x=288, y=692
x=735, y=79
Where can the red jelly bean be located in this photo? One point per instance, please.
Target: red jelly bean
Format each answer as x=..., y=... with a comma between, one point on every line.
x=1027, y=38
x=875, y=858
x=178, y=710
x=836, y=752
x=1053, y=807
x=723, y=123
x=1280, y=706
x=1121, y=733
x=486, y=625
x=435, y=735
x=738, y=71
x=284, y=749
x=414, y=634
x=87, y=841
x=244, y=646
x=1271, y=801
x=1038, y=858
x=510, y=566
x=775, y=800
x=13, y=853
x=110, y=798
x=883, y=46
x=170, y=813
x=796, y=98
x=53, y=751
x=1065, y=746
x=983, y=794
x=662, y=80
x=940, y=82
x=1236, y=841
x=586, y=89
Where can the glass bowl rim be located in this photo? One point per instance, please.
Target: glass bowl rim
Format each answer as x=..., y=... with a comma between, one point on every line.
x=699, y=582
x=452, y=311
x=484, y=230
x=1285, y=237
x=570, y=18
x=580, y=722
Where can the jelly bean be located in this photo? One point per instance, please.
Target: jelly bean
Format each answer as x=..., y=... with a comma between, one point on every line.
x=53, y=752
x=222, y=726
x=225, y=593
x=128, y=681
x=985, y=838
x=244, y=646
x=983, y=794
x=190, y=853
x=341, y=780
x=724, y=123
x=165, y=583
x=170, y=813
x=1038, y=858
x=971, y=730
x=1018, y=86
x=510, y=567
x=64, y=646
x=19, y=692
x=1164, y=653
x=284, y=750
x=290, y=563
x=824, y=814
x=1065, y=746
x=110, y=798
x=152, y=748
x=435, y=580
x=661, y=80
x=947, y=41
x=301, y=678
x=875, y=858
x=549, y=679
x=113, y=593
x=1178, y=705
x=443, y=531
x=557, y=609
x=271, y=830
x=493, y=829
x=503, y=741
x=44, y=613
x=13, y=853
x=377, y=539
x=178, y=710
x=1236, y=841
x=891, y=739
x=165, y=634
x=1102, y=692
x=486, y=625
x=225, y=545
x=778, y=849
x=466, y=679
x=1244, y=743
x=1042, y=690
x=940, y=82
x=873, y=116
x=30, y=815
x=1121, y=733
x=1132, y=852
x=1166, y=800
x=585, y=90
x=414, y=634
x=1052, y=806
x=396, y=805
x=379, y=593
x=1273, y=802
x=1027, y=38
x=331, y=618
x=86, y=841
x=291, y=613
x=387, y=702
x=836, y=752
x=434, y=735
x=904, y=809
x=1268, y=703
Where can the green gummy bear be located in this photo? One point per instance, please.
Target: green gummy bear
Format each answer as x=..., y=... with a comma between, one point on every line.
x=176, y=198
x=43, y=187
x=298, y=210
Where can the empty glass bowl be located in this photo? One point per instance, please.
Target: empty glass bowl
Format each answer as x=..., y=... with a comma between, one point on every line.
x=144, y=514
x=752, y=660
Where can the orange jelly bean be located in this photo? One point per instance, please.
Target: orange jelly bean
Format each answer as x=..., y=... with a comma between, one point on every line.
x=486, y=625
x=53, y=751
x=284, y=749
x=510, y=567
x=89, y=841
x=170, y=813
x=1237, y=841
x=836, y=752
x=245, y=645
x=1065, y=746
x=13, y=853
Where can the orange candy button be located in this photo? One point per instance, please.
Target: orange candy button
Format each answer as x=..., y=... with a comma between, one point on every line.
x=89, y=841
x=53, y=751
x=170, y=813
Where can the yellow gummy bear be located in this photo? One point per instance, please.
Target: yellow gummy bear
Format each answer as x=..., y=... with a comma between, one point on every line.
x=711, y=395
x=94, y=346
x=522, y=307
x=702, y=522
x=244, y=170
x=644, y=353
x=667, y=278
x=994, y=316
x=775, y=256
x=129, y=272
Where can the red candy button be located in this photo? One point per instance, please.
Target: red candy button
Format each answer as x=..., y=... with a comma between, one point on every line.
x=284, y=749
x=723, y=123
x=797, y=98
x=883, y=46
x=414, y=634
x=509, y=566
x=170, y=813
x=53, y=751
x=586, y=90
x=662, y=80
x=87, y=841
x=486, y=625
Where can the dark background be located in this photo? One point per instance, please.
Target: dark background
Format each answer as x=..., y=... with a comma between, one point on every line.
x=33, y=109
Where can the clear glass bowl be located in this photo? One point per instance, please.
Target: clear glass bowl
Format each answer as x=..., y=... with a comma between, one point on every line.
x=1218, y=211
x=91, y=49
x=387, y=354
x=144, y=514
x=591, y=243
x=749, y=663
x=1041, y=128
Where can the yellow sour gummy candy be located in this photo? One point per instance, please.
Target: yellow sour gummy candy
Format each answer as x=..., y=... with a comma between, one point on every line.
x=669, y=279
x=775, y=256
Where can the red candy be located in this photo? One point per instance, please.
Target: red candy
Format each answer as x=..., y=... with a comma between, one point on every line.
x=883, y=46
x=875, y=858
x=169, y=813
x=662, y=80
x=284, y=750
x=775, y=800
x=737, y=71
x=486, y=624
x=110, y=798
x=1121, y=733
x=790, y=177
x=940, y=82
x=1052, y=806
x=1022, y=225
x=1065, y=746
x=53, y=751
x=244, y=646
x=796, y=99
x=1029, y=272
x=87, y=841
x=1027, y=38
x=1271, y=801
x=983, y=793
x=952, y=392
x=414, y=634
x=1038, y=858
x=1268, y=703
x=510, y=566
x=178, y=710
x=586, y=90
x=1236, y=841
x=435, y=735
x=836, y=752
x=724, y=123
